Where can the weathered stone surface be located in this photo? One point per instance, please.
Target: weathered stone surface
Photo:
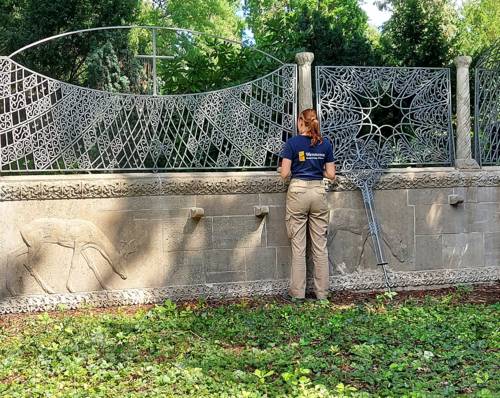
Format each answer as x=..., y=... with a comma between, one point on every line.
x=224, y=260
x=228, y=205
x=463, y=250
x=469, y=193
x=238, y=231
x=273, y=199
x=276, y=228
x=350, y=200
x=260, y=263
x=428, y=252
x=184, y=268
x=171, y=202
x=492, y=249
x=483, y=217
x=488, y=194
x=24, y=188
x=429, y=196
x=283, y=262
x=163, y=250
x=438, y=219
x=187, y=234
x=225, y=265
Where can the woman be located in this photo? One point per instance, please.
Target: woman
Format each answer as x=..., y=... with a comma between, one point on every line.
x=309, y=158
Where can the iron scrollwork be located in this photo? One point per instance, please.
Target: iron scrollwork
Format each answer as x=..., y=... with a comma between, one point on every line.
x=487, y=107
x=405, y=109
x=49, y=125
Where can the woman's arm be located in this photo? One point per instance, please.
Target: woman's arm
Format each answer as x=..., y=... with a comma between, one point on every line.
x=329, y=171
x=286, y=166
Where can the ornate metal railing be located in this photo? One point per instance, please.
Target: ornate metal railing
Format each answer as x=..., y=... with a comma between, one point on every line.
x=487, y=107
x=48, y=125
x=403, y=113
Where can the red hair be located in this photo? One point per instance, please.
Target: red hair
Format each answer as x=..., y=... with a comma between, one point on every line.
x=311, y=124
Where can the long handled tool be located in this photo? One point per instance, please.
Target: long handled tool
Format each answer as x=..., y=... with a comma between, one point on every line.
x=364, y=171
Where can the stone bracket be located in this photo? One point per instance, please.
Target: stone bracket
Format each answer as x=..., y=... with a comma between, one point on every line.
x=196, y=213
x=261, y=211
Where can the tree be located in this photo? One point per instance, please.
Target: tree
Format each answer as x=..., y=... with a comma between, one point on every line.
x=335, y=30
x=26, y=21
x=479, y=26
x=419, y=32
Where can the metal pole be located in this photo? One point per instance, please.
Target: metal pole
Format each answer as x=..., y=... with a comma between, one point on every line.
x=155, y=89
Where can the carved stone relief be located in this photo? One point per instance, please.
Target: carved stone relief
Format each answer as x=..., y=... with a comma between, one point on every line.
x=14, y=189
x=85, y=241
x=354, y=222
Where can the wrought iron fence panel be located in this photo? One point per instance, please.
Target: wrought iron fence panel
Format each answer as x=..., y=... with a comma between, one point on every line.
x=400, y=113
x=48, y=125
x=487, y=107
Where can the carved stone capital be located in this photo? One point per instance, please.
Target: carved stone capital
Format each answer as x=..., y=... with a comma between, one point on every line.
x=304, y=58
x=462, y=61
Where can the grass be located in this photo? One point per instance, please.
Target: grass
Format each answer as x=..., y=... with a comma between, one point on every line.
x=430, y=347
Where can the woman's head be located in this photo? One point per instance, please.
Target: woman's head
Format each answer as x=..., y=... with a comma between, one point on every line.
x=309, y=125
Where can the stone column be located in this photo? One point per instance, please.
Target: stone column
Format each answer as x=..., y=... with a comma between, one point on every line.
x=304, y=86
x=464, y=158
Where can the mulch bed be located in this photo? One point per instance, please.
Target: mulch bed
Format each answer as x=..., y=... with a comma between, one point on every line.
x=474, y=294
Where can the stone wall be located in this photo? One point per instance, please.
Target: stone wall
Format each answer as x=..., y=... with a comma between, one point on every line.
x=128, y=238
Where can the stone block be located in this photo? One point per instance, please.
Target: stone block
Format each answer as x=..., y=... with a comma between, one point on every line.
x=260, y=263
x=429, y=196
x=172, y=202
x=283, y=262
x=469, y=193
x=463, y=250
x=488, y=194
x=345, y=199
x=184, y=268
x=438, y=219
x=224, y=260
x=273, y=199
x=276, y=228
x=428, y=252
x=238, y=231
x=483, y=217
x=492, y=249
x=228, y=205
x=187, y=234
x=154, y=214
x=223, y=266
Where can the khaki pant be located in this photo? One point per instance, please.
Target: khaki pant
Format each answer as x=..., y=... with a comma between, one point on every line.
x=306, y=206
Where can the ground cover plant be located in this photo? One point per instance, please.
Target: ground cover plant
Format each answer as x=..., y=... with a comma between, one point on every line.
x=426, y=345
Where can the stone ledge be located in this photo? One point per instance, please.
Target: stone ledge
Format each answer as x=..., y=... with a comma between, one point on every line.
x=19, y=188
x=357, y=281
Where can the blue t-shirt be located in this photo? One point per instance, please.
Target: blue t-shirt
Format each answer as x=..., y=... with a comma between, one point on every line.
x=307, y=160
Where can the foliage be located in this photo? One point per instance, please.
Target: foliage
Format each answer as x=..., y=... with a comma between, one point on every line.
x=432, y=349
x=217, y=17
x=478, y=27
x=26, y=21
x=419, y=32
x=335, y=30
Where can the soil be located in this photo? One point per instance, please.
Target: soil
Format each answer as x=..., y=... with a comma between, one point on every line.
x=473, y=294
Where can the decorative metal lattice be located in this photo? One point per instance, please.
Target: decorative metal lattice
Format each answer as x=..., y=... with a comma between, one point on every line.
x=46, y=124
x=487, y=107
x=404, y=110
